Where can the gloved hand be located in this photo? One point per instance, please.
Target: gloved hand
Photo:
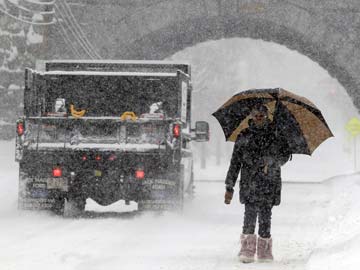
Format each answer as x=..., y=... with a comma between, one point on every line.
x=228, y=195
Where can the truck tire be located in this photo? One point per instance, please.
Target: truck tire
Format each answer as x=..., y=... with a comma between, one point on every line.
x=179, y=202
x=58, y=208
x=21, y=188
x=73, y=207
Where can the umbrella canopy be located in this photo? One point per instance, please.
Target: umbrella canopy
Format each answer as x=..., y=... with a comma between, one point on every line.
x=296, y=118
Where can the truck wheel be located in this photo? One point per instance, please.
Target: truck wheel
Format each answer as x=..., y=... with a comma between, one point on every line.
x=179, y=202
x=58, y=208
x=21, y=189
x=74, y=207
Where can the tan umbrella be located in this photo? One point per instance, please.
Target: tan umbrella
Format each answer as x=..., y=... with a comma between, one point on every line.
x=296, y=118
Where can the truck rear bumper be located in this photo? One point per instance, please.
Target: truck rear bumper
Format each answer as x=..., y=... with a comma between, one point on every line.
x=105, y=179
x=37, y=195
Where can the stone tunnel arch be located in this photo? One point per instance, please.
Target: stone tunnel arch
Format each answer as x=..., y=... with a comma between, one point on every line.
x=166, y=41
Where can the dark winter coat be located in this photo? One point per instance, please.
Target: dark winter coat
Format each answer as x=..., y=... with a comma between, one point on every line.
x=259, y=153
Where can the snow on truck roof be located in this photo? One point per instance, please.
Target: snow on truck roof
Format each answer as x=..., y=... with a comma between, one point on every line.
x=145, y=66
x=110, y=73
x=160, y=62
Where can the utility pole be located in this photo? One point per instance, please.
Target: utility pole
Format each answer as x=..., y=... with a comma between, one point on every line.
x=218, y=151
x=353, y=127
x=355, y=152
x=203, y=156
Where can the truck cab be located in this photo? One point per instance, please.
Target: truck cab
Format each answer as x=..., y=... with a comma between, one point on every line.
x=106, y=130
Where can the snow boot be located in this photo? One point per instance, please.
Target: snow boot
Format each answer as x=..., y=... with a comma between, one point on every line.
x=264, y=249
x=248, y=248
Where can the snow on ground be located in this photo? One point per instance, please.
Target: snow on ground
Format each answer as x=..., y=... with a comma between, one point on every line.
x=316, y=227
x=338, y=246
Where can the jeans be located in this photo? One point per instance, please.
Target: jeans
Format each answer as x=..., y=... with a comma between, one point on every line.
x=263, y=213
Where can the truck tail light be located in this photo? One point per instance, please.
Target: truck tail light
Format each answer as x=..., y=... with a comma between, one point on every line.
x=57, y=172
x=84, y=158
x=20, y=128
x=139, y=174
x=112, y=157
x=97, y=157
x=176, y=130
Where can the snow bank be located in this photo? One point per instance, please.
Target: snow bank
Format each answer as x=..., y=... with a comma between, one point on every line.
x=338, y=245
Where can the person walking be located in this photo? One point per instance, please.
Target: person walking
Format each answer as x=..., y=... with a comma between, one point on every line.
x=259, y=152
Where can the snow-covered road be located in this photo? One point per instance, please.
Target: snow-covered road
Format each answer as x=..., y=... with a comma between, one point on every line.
x=204, y=237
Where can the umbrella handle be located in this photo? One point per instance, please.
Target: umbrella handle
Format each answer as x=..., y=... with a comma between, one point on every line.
x=266, y=168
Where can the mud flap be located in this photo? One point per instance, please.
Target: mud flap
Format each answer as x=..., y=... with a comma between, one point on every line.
x=35, y=195
x=73, y=207
x=163, y=193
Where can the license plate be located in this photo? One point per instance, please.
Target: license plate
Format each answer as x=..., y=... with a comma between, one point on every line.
x=39, y=193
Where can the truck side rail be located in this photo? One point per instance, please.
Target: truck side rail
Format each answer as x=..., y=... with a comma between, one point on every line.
x=68, y=133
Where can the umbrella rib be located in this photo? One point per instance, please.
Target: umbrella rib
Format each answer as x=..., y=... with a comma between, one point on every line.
x=315, y=111
x=298, y=129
